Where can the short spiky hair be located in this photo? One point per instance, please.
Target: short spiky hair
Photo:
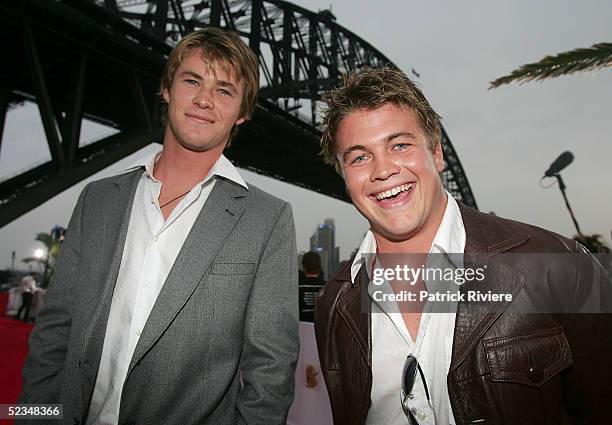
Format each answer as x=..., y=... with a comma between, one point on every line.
x=368, y=89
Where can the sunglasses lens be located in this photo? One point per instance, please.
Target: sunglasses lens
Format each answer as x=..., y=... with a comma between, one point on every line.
x=409, y=376
x=410, y=368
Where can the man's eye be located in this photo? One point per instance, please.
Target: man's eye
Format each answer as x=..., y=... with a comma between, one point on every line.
x=400, y=146
x=225, y=92
x=358, y=159
x=191, y=82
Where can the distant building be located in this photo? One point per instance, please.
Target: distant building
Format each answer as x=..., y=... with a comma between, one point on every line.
x=323, y=241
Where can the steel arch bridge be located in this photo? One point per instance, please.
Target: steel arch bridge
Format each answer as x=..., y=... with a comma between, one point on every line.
x=102, y=60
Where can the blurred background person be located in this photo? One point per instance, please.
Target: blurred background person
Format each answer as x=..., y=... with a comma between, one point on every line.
x=311, y=282
x=27, y=287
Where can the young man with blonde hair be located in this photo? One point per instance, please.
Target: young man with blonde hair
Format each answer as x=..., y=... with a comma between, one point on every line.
x=175, y=295
x=398, y=357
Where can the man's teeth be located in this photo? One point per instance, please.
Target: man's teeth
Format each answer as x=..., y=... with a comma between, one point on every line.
x=394, y=191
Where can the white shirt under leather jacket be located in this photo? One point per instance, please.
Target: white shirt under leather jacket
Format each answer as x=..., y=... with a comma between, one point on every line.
x=507, y=367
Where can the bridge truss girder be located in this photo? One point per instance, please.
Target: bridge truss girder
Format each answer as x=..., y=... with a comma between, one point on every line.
x=102, y=60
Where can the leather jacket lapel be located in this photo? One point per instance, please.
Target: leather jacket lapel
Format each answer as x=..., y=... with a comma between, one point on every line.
x=351, y=305
x=353, y=301
x=485, y=238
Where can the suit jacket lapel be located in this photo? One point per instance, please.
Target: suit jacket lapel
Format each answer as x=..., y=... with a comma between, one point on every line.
x=485, y=238
x=115, y=213
x=220, y=213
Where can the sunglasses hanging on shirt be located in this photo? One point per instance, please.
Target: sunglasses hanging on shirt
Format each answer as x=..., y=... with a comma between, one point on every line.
x=416, y=415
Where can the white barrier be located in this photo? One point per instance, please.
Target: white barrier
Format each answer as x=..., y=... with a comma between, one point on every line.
x=311, y=404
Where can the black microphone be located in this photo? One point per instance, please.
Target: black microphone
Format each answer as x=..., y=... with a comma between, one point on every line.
x=559, y=164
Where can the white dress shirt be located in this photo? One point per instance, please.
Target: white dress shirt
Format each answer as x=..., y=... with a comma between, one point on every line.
x=151, y=247
x=392, y=342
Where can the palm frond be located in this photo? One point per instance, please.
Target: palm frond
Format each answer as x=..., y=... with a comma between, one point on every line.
x=46, y=240
x=579, y=60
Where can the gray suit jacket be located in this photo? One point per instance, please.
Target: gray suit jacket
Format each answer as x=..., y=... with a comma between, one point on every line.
x=221, y=342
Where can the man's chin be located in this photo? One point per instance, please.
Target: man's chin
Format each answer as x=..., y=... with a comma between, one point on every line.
x=201, y=147
x=396, y=234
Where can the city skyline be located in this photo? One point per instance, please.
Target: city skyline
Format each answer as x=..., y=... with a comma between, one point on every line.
x=323, y=242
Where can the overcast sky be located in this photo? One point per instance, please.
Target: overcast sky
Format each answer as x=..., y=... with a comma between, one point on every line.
x=505, y=138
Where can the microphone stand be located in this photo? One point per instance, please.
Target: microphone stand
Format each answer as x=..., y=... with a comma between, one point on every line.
x=562, y=189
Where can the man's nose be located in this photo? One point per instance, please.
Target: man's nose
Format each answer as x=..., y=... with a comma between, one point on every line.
x=384, y=168
x=203, y=99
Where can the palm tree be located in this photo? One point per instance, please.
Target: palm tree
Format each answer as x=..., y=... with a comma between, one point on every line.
x=579, y=60
x=598, y=56
x=593, y=243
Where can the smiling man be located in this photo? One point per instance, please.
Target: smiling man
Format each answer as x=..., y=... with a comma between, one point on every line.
x=406, y=361
x=175, y=296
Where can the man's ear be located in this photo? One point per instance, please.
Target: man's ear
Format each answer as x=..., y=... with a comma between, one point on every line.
x=240, y=121
x=166, y=95
x=438, y=157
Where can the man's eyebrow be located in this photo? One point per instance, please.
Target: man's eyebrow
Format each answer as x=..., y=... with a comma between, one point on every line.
x=351, y=149
x=191, y=74
x=392, y=136
x=224, y=83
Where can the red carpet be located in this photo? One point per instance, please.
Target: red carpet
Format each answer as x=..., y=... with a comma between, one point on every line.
x=13, y=350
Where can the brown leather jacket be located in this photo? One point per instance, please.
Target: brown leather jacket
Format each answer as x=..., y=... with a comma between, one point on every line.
x=507, y=367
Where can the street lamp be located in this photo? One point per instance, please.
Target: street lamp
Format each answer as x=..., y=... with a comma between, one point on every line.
x=39, y=254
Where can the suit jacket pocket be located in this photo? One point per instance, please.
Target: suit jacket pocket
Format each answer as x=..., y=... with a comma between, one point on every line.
x=232, y=268
x=530, y=359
